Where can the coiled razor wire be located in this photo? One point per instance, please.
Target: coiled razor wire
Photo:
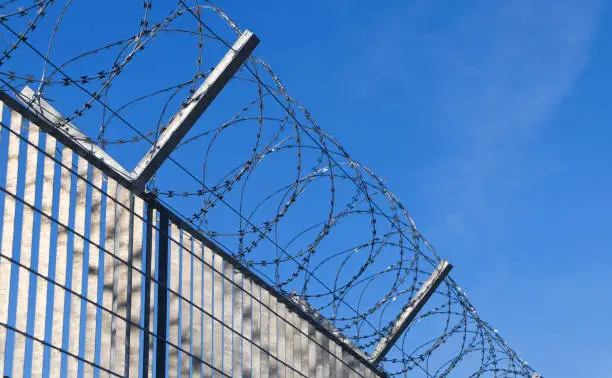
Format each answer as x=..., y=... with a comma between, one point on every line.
x=257, y=174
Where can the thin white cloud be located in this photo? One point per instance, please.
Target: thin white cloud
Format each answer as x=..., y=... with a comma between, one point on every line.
x=507, y=65
x=496, y=72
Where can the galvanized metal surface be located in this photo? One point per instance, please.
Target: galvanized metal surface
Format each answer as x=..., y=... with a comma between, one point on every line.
x=85, y=255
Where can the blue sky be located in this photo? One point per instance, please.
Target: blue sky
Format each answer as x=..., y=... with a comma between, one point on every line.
x=489, y=121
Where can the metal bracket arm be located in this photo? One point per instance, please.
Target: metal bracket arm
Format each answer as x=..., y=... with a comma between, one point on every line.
x=185, y=118
x=411, y=311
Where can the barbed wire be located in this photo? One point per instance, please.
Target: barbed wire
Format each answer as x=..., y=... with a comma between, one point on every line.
x=264, y=180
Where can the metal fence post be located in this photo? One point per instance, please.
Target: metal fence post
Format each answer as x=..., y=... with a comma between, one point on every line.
x=147, y=290
x=162, y=294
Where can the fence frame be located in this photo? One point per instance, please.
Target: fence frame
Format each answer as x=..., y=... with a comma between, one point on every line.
x=166, y=216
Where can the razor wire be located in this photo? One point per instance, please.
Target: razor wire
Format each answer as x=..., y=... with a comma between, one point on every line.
x=264, y=180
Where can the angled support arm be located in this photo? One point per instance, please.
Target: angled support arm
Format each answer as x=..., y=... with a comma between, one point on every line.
x=186, y=117
x=410, y=312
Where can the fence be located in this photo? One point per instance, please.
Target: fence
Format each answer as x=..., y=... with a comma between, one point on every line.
x=97, y=280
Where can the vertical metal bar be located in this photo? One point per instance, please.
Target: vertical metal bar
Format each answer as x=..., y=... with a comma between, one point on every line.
x=162, y=294
x=291, y=342
x=350, y=366
x=227, y=317
x=61, y=261
x=8, y=230
x=25, y=278
x=247, y=320
x=120, y=278
x=272, y=304
x=186, y=324
x=77, y=266
x=132, y=356
x=3, y=300
x=93, y=271
x=339, y=362
x=174, y=312
x=217, y=312
x=129, y=294
x=44, y=248
x=319, y=353
x=281, y=326
x=198, y=315
x=135, y=290
x=312, y=351
x=146, y=343
x=369, y=372
x=153, y=306
x=193, y=312
x=324, y=341
x=237, y=324
x=332, y=357
x=362, y=369
x=265, y=334
x=208, y=324
x=256, y=328
x=302, y=335
x=106, y=275
x=114, y=279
